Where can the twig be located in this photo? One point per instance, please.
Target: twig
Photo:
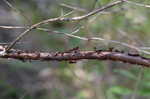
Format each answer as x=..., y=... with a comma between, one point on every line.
x=140, y=49
x=101, y=39
x=62, y=19
x=13, y=27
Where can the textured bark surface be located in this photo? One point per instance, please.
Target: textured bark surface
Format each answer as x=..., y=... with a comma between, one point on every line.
x=75, y=54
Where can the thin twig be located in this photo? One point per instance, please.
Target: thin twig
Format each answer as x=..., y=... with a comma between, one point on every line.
x=13, y=27
x=62, y=19
x=101, y=39
x=140, y=49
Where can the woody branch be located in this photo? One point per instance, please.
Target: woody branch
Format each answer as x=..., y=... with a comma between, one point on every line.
x=76, y=55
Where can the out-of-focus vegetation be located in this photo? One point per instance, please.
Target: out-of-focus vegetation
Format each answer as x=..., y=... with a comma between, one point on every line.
x=128, y=23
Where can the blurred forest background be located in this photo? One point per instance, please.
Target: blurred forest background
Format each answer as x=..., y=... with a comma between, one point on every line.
x=128, y=22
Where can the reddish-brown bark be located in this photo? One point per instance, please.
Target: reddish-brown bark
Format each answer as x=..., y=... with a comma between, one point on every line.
x=76, y=54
